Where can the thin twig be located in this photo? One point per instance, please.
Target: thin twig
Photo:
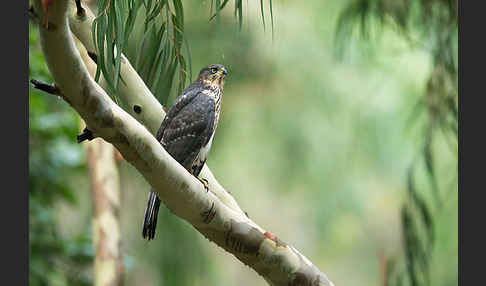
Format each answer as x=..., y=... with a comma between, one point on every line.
x=86, y=135
x=79, y=9
x=32, y=14
x=46, y=87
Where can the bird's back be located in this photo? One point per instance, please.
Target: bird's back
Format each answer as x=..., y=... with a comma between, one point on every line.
x=189, y=126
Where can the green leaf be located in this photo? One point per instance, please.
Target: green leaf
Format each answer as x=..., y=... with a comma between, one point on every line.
x=422, y=208
x=240, y=12
x=263, y=14
x=429, y=164
x=218, y=9
x=188, y=52
x=271, y=16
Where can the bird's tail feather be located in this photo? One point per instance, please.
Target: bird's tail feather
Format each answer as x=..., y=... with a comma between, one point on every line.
x=150, y=216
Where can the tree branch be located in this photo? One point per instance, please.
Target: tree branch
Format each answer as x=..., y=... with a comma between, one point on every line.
x=135, y=93
x=140, y=102
x=49, y=88
x=278, y=262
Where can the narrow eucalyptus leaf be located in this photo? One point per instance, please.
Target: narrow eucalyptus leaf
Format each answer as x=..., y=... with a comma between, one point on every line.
x=263, y=14
x=220, y=8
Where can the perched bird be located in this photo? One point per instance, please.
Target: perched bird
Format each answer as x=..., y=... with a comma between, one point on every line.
x=187, y=131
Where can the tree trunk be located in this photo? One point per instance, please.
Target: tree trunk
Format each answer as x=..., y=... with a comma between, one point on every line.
x=105, y=192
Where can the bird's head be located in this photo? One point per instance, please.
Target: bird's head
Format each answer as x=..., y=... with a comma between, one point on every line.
x=213, y=75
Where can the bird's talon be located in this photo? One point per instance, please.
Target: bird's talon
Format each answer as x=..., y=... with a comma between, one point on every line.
x=205, y=183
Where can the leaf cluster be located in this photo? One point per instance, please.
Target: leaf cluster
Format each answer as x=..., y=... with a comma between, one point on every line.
x=429, y=25
x=162, y=51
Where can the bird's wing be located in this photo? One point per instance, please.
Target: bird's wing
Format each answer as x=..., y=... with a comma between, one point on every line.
x=189, y=129
x=181, y=101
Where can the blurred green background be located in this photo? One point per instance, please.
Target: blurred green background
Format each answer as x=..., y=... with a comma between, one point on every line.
x=315, y=147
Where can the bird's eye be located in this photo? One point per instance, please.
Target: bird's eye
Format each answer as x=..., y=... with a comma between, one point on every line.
x=214, y=70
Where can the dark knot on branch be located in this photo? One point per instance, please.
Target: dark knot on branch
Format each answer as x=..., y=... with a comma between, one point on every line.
x=79, y=9
x=86, y=135
x=46, y=87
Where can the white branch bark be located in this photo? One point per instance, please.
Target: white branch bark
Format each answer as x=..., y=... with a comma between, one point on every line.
x=134, y=93
x=217, y=217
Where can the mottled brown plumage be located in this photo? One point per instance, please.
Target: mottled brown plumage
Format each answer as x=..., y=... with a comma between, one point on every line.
x=187, y=131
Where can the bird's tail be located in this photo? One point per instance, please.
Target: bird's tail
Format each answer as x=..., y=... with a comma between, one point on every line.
x=150, y=216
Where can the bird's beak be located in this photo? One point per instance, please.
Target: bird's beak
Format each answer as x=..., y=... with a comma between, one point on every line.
x=222, y=72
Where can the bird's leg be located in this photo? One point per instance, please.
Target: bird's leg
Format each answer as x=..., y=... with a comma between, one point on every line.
x=202, y=180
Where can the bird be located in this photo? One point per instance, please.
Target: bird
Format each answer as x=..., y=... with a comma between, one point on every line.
x=187, y=132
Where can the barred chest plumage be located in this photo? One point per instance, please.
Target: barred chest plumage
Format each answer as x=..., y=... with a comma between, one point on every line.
x=215, y=93
x=218, y=107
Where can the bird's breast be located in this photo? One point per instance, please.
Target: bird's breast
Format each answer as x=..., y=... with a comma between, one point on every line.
x=214, y=93
x=205, y=149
